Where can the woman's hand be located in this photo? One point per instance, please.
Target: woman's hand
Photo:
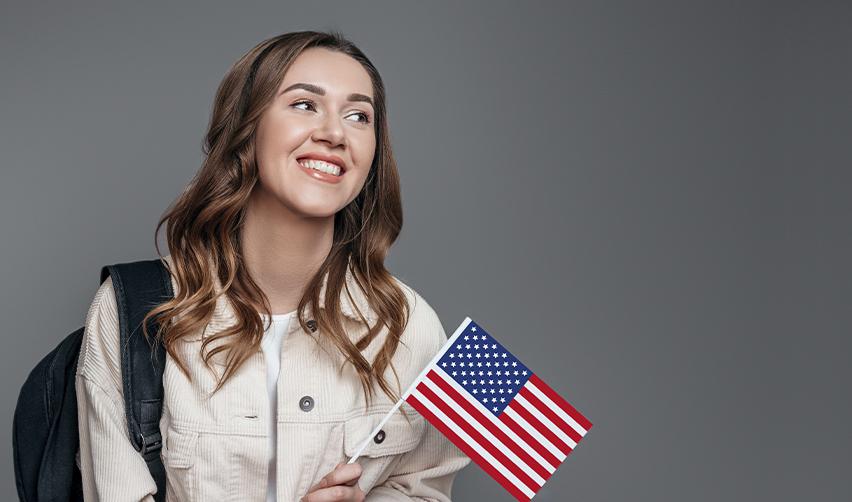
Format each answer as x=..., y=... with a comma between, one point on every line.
x=339, y=485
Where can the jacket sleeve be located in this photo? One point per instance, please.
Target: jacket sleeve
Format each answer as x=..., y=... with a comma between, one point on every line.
x=428, y=471
x=112, y=470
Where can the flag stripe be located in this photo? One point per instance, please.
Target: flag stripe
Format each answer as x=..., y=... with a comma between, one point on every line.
x=512, y=412
x=472, y=416
x=534, y=407
x=544, y=448
x=544, y=430
x=555, y=419
x=498, y=428
x=467, y=445
x=556, y=398
x=505, y=463
x=565, y=419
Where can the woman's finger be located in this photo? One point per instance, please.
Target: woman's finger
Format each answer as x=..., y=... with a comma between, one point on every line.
x=339, y=493
x=343, y=474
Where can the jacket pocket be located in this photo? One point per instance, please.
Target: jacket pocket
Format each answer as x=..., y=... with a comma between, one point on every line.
x=179, y=456
x=396, y=437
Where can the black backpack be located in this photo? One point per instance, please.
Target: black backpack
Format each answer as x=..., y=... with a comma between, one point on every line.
x=45, y=431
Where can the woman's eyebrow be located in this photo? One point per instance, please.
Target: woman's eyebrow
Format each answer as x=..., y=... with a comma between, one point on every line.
x=319, y=90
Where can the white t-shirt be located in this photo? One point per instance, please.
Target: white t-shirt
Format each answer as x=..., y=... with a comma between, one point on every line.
x=271, y=345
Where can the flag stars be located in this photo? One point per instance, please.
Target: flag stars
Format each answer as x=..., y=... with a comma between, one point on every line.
x=514, y=363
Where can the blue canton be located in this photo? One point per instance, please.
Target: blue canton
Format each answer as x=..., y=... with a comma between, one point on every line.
x=484, y=368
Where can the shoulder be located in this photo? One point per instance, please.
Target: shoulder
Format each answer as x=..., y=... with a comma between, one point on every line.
x=99, y=354
x=424, y=333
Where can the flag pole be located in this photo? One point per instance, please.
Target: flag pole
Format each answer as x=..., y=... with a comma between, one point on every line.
x=417, y=380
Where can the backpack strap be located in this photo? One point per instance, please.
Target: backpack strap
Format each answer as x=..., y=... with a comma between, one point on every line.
x=140, y=286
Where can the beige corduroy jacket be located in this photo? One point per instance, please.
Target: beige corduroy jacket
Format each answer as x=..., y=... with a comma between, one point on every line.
x=216, y=449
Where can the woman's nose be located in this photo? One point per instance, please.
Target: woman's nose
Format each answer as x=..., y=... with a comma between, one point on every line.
x=330, y=131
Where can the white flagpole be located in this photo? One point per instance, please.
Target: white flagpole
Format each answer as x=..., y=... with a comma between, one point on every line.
x=411, y=387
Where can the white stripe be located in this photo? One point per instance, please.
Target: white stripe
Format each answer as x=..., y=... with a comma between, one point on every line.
x=556, y=408
x=473, y=444
x=502, y=426
x=532, y=430
x=485, y=432
x=546, y=421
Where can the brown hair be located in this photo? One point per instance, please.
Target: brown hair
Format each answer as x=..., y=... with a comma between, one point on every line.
x=204, y=226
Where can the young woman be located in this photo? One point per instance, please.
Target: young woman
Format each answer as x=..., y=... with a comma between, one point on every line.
x=288, y=340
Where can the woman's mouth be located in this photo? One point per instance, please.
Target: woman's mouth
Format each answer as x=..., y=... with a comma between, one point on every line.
x=321, y=170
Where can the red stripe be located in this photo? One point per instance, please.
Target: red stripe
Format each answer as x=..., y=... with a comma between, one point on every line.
x=540, y=427
x=526, y=436
x=488, y=424
x=466, y=448
x=549, y=413
x=556, y=398
x=493, y=449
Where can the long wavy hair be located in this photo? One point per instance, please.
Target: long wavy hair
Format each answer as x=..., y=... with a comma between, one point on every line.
x=204, y=223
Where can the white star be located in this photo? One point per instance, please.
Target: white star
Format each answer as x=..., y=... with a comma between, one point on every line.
x=453, y=364
x=487, y=355
x=467, y=346
x=524, y=372
x=475, y=391
x=514, y=363
x=444, y=365
x=478, y=365
x=491, y=382
x=464, y=382
x=473, y=328
x=465, y=337
x=480, y=373
x=504, y=354
x=492, y=391
x=482, y=382
x=488, y=364
x=475, y=337
x=495, y=409
x=454, y=373
x=494, y=346
x=502, y=399
x=517, y=382
x=505, y=363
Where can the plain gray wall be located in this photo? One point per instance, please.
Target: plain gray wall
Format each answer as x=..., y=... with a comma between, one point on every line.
x=647, y=202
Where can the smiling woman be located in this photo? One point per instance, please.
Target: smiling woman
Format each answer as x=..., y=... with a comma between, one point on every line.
x=286, y=329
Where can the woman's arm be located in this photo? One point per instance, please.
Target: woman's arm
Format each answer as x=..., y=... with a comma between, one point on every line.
x=111, y=468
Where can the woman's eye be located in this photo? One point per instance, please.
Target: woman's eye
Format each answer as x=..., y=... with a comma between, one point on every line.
x=366, y=119
x=302, y=103
x=310, y=105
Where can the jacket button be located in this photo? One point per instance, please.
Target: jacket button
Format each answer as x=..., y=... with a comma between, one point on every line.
x=380, y=436
x=312, y=324
x=306, y=403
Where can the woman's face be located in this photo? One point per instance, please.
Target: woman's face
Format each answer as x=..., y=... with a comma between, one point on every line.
x=322, y=109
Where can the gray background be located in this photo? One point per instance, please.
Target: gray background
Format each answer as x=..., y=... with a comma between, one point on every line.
x=647, y=202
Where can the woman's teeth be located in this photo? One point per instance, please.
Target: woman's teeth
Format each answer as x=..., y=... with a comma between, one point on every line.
x=321, y=166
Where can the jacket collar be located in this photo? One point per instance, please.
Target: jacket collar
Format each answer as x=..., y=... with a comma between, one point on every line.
x=224, y=315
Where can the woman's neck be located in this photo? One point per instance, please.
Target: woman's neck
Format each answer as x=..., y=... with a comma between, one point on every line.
x=282, y=250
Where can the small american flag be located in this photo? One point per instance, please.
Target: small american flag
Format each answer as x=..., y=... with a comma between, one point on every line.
x=493, y=408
